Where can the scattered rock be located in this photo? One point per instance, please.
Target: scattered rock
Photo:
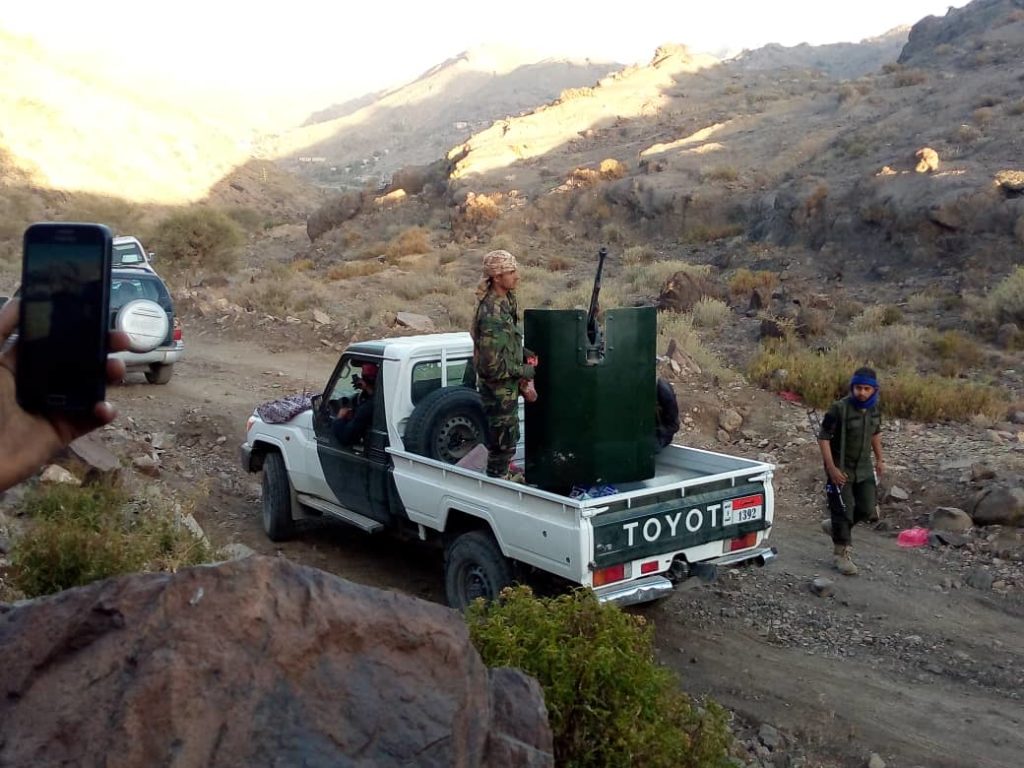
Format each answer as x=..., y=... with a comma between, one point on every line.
x=898, y=494
x=236, y=551
x=981, y=472
x=414, y=321
x=730, y=420
x=822, y=587
x=147, y=465
x=999, y=505
x=947, y=538
x=57, y=475
x=875, y=761
x=979, y=578
x=95, y=455
x=927, y=160
x=321, y=317
x=769, y=736
x=951, y=519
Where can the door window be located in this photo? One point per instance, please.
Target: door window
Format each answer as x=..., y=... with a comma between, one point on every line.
x=426, y=377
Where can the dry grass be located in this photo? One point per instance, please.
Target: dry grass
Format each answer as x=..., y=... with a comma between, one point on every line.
x=349, y=269
x=745, y=281
x=710, y=313
x=886, y=346
x=638, y=254
x=680, y=327
x=648, y=279
x=410, y=242
x=874, y=317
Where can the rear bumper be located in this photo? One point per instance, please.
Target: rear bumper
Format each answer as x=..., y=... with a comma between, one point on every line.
x=631, y=593
x=158, y=356
x=658, y=586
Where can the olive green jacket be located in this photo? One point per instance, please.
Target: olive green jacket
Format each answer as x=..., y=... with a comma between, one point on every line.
x=849, y=431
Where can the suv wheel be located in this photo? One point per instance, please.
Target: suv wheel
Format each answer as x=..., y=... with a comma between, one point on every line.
x=474, y=567
x=277, y=499
x=160, y=373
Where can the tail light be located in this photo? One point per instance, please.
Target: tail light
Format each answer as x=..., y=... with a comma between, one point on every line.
x=610, y=574
x=177, y=330
x=747, y=540
x=249, y=423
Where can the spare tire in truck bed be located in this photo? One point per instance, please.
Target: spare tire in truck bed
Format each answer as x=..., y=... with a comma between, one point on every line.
x=446, y=425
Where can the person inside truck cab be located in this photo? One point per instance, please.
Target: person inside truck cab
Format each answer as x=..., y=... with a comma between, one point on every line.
x=355, y=416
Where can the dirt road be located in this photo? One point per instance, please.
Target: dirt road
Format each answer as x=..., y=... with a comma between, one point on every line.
x=908, y=660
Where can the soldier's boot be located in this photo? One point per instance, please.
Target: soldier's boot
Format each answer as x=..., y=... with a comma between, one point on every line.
x=826, y=527
x=842, y=561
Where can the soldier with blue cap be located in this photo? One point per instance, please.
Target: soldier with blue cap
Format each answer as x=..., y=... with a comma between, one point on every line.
x=850, y=434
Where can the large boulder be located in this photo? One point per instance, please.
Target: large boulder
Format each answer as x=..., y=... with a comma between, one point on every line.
x=684, y=289
x=255, y=662
x=999, y=505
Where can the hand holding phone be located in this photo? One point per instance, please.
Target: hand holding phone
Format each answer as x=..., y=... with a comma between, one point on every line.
x=64, y=317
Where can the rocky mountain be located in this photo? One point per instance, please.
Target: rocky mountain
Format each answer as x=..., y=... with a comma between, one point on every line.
x=417, y=123
x=703, y=150
x=842, y=60
x=69, y=127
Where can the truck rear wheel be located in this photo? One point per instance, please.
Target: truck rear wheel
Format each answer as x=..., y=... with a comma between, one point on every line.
x=474, y=567
x=446, y=425
x=277, y=499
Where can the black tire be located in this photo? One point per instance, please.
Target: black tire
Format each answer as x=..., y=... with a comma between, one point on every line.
x=474, y=567
x=447, y=424
x=277, y=499
x=160, y=373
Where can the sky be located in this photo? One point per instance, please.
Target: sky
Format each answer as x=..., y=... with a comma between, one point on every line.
x=331, y=51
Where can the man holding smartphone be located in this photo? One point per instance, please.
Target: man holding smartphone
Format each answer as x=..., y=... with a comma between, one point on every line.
x=28, y=440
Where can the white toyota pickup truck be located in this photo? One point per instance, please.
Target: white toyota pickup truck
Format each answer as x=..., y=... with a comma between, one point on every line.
x=699, y=511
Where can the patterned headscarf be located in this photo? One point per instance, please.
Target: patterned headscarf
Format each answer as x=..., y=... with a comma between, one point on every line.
x=495, y=263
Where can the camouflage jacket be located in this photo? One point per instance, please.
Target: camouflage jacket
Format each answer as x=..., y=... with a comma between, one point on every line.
x=498, y=341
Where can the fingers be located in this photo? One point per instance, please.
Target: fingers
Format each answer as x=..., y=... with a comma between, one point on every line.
x=104, y=412
x=115, y=371
x=118, y=341
x=8, y=318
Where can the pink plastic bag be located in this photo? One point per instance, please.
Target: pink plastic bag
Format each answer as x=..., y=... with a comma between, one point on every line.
x=913, y=537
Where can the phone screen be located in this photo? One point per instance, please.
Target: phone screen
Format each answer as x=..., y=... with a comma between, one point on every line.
x=65, y=292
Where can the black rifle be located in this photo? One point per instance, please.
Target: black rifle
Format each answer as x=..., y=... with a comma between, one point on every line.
x=593, y=332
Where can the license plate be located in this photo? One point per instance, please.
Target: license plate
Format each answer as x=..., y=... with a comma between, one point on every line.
x=742, y=510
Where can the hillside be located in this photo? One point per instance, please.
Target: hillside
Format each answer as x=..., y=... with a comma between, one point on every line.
x=368, y=140
x=71, y=129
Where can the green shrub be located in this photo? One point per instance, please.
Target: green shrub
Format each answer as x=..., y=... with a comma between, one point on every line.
x=956, y=352
x=80, y=534
x=198, y=241
x=821, y=378
x=609, y=702
x=886, y=346
x=1005, y=302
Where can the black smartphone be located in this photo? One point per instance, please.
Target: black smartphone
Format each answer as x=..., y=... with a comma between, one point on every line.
x=64, y=317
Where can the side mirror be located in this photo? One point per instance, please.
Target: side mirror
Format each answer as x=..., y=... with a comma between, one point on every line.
x=317, y=401
x=151, y=255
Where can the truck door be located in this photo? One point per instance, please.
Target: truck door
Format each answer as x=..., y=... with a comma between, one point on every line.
x=355, y=473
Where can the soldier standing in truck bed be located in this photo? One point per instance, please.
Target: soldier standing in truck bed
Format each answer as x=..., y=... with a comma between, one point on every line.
x=499, y=358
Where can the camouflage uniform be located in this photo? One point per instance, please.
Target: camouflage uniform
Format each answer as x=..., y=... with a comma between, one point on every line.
x=849, y=431
x=498, y=357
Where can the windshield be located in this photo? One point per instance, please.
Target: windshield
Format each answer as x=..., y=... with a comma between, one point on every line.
x=127, y=254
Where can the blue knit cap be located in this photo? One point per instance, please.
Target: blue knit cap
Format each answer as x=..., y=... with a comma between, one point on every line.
x=866, y=376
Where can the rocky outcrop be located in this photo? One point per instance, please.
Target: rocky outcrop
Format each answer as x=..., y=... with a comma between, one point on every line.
x=958, y=26
x=255, y=662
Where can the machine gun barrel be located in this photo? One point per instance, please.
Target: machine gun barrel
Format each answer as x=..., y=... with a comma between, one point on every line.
x=593, y=332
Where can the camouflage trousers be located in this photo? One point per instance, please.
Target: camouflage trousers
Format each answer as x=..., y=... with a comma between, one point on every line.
x=501, y=406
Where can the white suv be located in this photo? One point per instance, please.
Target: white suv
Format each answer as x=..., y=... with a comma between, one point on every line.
x=128, y=252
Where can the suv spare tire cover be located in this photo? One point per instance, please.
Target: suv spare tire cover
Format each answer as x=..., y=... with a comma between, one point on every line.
x=145, y=322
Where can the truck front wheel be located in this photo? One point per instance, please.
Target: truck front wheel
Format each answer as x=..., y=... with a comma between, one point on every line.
x=474, y=567
x=277, y=499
